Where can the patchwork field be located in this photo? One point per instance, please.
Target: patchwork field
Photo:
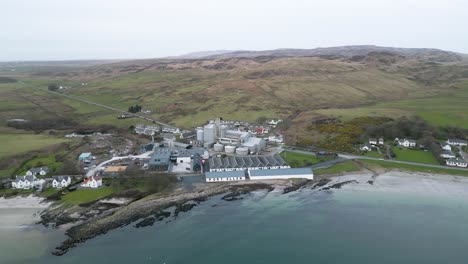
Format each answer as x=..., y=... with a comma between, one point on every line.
x=14, y=144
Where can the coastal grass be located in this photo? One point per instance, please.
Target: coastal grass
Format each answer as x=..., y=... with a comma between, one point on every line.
x=297, y=160
x=410, y=167
x=420, y=156
x=85, y=195
x=347, y=166
x=14, y=144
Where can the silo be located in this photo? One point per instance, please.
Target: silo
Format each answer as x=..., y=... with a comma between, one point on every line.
x=222, y=131
x=218, y=147
x=209, y=133
x=200, y=134
x=242, y=151
x=230, y=149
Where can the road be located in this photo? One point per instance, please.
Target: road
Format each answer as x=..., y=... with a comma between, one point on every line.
x=343, y=157
x=93, y=171
x=109, y=107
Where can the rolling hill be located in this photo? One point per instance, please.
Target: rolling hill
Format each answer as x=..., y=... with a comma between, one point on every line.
x=278, y=83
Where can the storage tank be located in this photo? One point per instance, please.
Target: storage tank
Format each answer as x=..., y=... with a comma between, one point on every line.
x=218, y=147
x=230, y=149
x=222, y=131
x=200, y=134
x=209, y=133
x=242, y=151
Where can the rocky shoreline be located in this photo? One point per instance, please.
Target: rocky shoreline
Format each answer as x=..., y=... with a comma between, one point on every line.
x=85, y=222
x=99, y=218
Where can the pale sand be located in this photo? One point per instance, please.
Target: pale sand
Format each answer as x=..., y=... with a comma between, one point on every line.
x=409, y=182
x=30, y=202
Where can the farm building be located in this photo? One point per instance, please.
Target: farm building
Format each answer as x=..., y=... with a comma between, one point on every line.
x=305, y=173
x=225, y=176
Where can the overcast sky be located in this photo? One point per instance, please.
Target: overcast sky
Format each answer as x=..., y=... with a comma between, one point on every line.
x=105, y=29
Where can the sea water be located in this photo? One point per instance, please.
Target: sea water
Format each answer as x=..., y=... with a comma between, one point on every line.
x=350, y=225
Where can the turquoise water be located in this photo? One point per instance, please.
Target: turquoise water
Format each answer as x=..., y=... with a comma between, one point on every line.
x=342, y=226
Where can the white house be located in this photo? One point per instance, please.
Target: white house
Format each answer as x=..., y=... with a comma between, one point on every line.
x=408, y=143
x=381, y=141
x=445, y=146
x=26, y=182
x=61, y=181
x=456, y=142
x=38, y=171
x=457, y=163
x=373, y=141
x=447, y=154
x=92, y=182
x=365, y=147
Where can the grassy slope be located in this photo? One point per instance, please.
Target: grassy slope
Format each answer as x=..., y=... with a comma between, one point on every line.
x=85, y=195
x=13, y=144
x=447, y=109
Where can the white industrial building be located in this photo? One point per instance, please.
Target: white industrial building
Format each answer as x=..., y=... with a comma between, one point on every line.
x=305, y=173
x=225, y=176
x=218, y=164
x=219, y=136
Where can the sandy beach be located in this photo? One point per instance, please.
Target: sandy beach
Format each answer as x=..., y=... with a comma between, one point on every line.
x=29, y=202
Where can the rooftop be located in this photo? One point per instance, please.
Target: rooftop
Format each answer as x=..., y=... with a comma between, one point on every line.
x=296, y=171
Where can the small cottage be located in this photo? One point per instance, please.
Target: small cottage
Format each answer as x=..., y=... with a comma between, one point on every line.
x=61, y=181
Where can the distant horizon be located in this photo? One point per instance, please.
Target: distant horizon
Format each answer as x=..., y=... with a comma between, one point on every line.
x=53, y=30
x=227, y=51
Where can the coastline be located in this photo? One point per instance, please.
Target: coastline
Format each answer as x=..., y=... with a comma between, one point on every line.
x=81, y=223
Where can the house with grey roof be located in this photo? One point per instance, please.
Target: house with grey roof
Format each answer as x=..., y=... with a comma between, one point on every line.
x=447, y=154
x=457, y=142
x=26, y=182
x=42, y=171
x=61, y=181
x=305, y=173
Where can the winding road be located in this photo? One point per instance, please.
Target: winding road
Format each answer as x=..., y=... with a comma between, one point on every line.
x=108, y=107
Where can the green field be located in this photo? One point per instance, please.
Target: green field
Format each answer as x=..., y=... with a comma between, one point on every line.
x=420, y=156
x=15, y=144
x=409, y=167
x=347, y=166
x=297, y=160
x=85, y=195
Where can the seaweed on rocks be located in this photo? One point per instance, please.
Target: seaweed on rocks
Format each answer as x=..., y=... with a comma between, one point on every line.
x=233, y=196
x=183, y=207
x=296, y=186
x=338, y=185
x=146, y=222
